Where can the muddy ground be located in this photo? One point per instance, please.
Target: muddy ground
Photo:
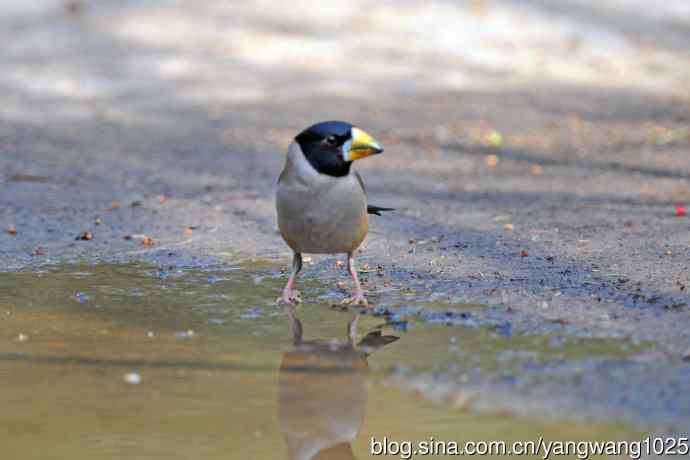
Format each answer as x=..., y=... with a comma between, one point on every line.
x=550, y=196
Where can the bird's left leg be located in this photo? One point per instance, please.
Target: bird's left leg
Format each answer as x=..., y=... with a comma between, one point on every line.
x=290, y=296
x=357, y=292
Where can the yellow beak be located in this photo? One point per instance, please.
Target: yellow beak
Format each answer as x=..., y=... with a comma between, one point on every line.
x=362, y=146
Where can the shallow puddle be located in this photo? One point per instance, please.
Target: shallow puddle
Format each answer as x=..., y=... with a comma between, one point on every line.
x=136, y=362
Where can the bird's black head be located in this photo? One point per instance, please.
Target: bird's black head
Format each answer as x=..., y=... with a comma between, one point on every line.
x=332, y=146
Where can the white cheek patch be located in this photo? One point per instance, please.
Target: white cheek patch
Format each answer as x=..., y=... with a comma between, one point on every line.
x=346, y=150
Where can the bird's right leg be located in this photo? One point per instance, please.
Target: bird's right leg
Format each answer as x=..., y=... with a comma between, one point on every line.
x=357, y=291
x=290, y=296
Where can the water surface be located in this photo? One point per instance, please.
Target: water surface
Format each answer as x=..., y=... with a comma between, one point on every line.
x=129, y=361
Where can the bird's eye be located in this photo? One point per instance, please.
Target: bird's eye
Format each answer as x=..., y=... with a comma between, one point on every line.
x=331, y=140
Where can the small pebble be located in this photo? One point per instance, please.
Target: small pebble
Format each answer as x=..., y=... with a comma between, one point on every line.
x=188, y=334
x=22, y=337
x=132, y=378
x=80, y=297
x=148, y=241
x=84, y=236
x=495, y=139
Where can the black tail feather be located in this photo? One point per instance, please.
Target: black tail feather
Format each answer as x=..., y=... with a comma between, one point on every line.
x=378, y=210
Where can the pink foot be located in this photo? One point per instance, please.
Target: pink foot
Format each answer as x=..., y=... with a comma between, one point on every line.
x=289, y=297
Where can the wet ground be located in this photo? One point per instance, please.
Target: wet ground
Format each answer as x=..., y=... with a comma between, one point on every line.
x=536, y=266
x=128, y=361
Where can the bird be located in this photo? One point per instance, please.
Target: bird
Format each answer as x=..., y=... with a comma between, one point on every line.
x=321, y=201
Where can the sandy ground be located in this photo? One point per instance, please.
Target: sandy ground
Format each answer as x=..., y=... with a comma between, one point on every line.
x=536, y=152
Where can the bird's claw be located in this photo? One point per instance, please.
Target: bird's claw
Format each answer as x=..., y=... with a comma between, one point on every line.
x=356, y=299
x=289, y=298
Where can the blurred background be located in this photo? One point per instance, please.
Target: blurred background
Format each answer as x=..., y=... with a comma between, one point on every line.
x=240, y=52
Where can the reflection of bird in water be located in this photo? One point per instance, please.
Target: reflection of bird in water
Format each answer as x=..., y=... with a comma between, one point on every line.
x=322, y=393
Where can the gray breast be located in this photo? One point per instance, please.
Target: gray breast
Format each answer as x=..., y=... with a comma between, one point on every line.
x=318, y=213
